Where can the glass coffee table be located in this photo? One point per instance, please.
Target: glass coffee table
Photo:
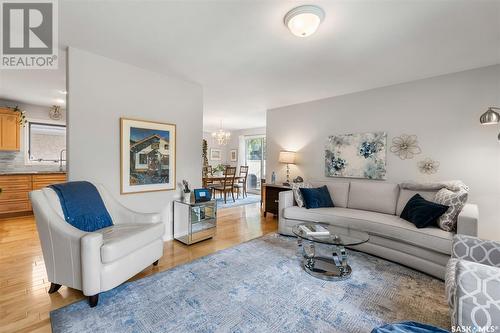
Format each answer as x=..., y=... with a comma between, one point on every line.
x=324, y=254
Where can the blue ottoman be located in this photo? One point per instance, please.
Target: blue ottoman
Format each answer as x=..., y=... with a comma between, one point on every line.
x=408, y=327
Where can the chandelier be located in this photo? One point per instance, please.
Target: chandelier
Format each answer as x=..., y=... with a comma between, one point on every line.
x=220, y=136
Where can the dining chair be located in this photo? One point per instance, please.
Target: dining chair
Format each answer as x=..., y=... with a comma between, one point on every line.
x=207, y=179
x=241, y=183
x=206, y=173
x=227, y=184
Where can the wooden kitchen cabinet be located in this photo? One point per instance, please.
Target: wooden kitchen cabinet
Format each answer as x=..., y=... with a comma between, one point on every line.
x=43, y=180
x=10, y=130
x=14, y=190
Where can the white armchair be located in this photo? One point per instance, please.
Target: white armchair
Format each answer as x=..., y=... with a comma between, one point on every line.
x=95, y=262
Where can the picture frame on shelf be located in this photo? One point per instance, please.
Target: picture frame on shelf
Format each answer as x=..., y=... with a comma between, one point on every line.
x=147, y=156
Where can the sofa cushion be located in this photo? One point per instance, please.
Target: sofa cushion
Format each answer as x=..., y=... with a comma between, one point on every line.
x=316, y=197
x=383, y=225
x=405, y=195
x=297, y=195
x=122, y=239
x=456, y=202
x=339, y=192
x=423, y=213
x=373, y=196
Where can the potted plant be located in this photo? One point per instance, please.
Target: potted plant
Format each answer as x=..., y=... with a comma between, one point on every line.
x=204, y=149
x=22, y=115
x=218, y=170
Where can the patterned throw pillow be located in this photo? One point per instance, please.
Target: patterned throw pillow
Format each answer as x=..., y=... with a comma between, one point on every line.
x=456, y=201
x=296, y=192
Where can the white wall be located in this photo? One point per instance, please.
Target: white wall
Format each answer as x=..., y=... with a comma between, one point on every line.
x=16, y=160
x=442, y=111
x=100, y=91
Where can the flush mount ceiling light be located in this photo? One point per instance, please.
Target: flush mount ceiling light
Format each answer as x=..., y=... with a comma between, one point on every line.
x=303, y=21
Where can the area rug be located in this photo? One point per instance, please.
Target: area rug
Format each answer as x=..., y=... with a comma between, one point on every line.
x=250, y=199
x=259, y=286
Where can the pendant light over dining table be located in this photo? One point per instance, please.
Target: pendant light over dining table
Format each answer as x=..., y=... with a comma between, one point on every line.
x=220, y=136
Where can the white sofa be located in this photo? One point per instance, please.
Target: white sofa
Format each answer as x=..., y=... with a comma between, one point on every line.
x=95, y=262
x=375, y=207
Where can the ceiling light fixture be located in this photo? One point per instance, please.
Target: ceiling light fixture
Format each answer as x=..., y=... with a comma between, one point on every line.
x=490, y=117
x=303, y=21
x=220, y=136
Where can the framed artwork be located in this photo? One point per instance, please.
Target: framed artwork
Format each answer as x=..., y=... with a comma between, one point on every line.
x=233, y=155
x=215, y=154
x=361, y=155
x=147, y=156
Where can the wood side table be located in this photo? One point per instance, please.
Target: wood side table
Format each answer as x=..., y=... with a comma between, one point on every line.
x=270, y=197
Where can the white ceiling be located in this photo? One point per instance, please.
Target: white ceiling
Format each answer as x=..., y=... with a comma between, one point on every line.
x=247, y=61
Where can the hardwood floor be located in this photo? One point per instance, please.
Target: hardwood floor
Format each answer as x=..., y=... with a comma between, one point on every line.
x=24, y=301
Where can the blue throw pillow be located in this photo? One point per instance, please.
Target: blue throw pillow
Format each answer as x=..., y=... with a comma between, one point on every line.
x=316, y=197
x=422, y=213
x=82, y=206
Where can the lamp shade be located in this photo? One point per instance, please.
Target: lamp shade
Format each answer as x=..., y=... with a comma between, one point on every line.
x=287, y=157
x=490, y=117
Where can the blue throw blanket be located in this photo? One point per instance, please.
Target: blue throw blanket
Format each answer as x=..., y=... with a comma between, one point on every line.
x=408, y=327
x=82, y=206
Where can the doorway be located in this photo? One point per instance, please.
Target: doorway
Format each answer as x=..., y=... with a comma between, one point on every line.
x=255, y=158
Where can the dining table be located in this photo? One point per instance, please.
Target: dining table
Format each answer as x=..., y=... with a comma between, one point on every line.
x=211, y=179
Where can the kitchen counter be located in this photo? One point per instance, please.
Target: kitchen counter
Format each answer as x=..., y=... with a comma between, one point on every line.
x=30, y=172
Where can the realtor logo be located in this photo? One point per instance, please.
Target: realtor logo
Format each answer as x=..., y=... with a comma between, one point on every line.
x=29, y=34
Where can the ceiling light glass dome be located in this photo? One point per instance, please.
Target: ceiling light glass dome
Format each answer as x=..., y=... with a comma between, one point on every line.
x=303, y=21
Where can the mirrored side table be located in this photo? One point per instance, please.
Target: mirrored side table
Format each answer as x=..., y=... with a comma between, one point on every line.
x=194, y=222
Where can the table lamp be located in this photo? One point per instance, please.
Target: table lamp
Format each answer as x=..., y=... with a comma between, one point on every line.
x=287, y=157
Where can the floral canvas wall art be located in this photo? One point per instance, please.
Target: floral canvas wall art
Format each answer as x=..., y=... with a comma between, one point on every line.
x=360, y=155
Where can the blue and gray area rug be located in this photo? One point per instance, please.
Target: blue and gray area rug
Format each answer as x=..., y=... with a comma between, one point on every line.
x=259, y=286
x=249, y=199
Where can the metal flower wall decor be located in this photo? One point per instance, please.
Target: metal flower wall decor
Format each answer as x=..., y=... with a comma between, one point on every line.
x=428, y=166
x=405, y=146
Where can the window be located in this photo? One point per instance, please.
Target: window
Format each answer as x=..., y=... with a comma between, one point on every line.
x=45, y=142
x=255, y=158
x=143, y=159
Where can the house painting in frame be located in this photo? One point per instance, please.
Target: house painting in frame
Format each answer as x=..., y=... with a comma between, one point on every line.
x=361, y=155
x=147, y=156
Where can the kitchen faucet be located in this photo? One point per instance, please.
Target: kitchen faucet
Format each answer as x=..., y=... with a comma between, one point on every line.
x=61, y=159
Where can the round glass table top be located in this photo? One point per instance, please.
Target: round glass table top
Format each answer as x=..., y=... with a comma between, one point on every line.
x=328, y=234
